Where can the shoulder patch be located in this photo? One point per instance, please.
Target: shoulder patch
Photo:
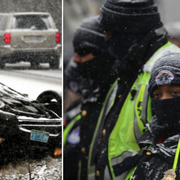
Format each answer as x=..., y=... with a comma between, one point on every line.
x=73, y=86
x=74, y=137
x=164, y=77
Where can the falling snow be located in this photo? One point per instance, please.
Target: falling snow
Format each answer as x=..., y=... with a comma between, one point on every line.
x=46, y=169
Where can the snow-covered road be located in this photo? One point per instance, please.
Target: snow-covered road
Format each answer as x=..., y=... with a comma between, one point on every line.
x=47, y=169
x=32, y=82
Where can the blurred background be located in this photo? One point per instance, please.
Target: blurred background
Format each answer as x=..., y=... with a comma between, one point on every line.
x=76, y=10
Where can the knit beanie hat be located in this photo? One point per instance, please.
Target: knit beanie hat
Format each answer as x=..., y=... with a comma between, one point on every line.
x=166, y=70
x=90, y=35
x=132, y=16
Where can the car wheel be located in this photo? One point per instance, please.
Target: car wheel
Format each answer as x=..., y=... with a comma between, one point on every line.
x=52, y=101
x=34, y=64
x=2, y=64
x=54, y=63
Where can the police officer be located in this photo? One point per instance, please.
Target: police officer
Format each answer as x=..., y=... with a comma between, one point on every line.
x=160, y=148
x=93, y=62
x=136, y=37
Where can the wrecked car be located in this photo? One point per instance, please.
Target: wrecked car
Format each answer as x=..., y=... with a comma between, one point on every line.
x=29, y=128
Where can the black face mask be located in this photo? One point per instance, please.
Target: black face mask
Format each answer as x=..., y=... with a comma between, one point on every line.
x=90, y=68
x=167, y=111
x=84, y=51
x=122, y=43
x=96, y=68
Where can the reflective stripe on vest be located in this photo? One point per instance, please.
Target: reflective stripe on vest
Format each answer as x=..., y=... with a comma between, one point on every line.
x=108, y=103
x=91, y=173
x=119, y=160
x=144, y=106
x=107, y=174
x=140, y=110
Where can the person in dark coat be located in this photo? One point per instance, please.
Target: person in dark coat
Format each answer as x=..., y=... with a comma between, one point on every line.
x=160, y=142
x=93, y=63
x=88, y=68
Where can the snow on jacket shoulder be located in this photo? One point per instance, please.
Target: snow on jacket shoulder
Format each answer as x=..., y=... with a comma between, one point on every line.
x=156, y=158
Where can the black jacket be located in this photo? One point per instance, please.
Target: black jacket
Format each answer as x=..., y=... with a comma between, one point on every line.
x=91, y=106
x=128, y=72
x=158, y=153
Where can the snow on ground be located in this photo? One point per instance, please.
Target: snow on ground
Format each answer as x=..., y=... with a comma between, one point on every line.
x=48, y=168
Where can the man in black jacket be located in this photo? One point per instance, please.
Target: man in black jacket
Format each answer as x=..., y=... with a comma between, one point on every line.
x=93, y=62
